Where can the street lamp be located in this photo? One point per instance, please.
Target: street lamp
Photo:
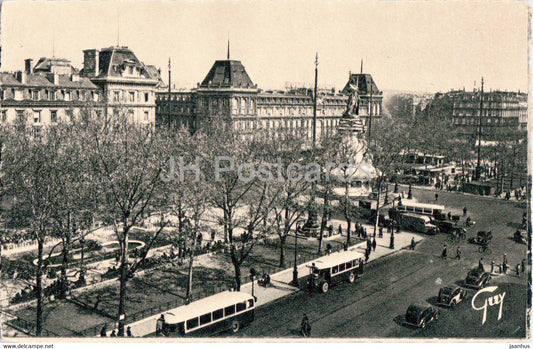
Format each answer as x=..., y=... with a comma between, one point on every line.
x=253, y=274
x=294, y=281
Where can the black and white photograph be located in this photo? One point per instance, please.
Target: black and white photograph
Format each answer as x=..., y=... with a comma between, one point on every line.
x=266, y=171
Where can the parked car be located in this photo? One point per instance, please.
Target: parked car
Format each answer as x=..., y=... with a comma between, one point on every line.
x=451, y=295
x=482, y=238
x=520, y=236
x=477, y=278
x=420, y=315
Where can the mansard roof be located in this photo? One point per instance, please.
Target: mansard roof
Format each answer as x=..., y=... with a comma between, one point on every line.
x=364, y=82
x=227, y=74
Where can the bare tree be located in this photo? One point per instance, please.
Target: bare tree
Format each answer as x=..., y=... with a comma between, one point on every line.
x=128, y=160
x=29, y=164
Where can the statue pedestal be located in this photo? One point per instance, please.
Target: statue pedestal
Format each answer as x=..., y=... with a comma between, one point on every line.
x=311, y=226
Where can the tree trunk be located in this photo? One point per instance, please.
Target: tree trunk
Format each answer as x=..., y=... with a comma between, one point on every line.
x=189, y=278
x=64, y=267
x=282, y=250
x=123, y=278
x=347, y=211
x=237, y=268
x=324, y=223
x=377, y=207
x=39, y=288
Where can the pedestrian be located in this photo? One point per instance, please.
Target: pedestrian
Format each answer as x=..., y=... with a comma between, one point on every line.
x=444, y=254
x=436, y=196
x=374, y=244
x=492, y=267
x=368, y=243
x=505, y=263
x=103, y=331
x=480, y=264
x=345, y=246
x=458, y=256
x=128, y=332
x=367, y=255
x=518, y=270
x=413, y=243
x=465, y=210
x=159, y=325
x=328, y=249
x=305, y=326
x=340, y=229
x=449, y=215
x=113, y=334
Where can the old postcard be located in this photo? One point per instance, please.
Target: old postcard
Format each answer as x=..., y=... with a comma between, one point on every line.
x=273, y=171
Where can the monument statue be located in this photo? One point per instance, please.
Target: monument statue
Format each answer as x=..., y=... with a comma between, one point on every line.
x=352, y=109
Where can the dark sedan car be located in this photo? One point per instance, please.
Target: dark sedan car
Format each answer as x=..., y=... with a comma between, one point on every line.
x=477, y=278
x=420, y=315
x=451, y=295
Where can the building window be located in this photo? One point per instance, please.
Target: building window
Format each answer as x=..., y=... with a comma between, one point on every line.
x=132, y=96
x=53, y=116
x=116, y=96
x=36, y=116
x=146, y=116
x=146, y=96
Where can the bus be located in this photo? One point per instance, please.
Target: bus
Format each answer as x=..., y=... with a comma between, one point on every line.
x=435, y=211
x=417, y=223
x=335, y=268
x=229, y=310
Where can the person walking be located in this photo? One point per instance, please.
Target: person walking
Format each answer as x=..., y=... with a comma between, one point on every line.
x=305, y=326
x=380, y=233
x=103, y=331
x=340, y=229
x=465, y=210
x=374, y=244
x=436, y=196
x=160, y=324
x=413, y=243
x=113, y=334
x=480, y=264
x=505, y=263
x=128, y=332
x=444, y=254
x=458, y=256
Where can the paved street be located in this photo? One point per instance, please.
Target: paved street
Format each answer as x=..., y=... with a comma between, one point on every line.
x=375, y=305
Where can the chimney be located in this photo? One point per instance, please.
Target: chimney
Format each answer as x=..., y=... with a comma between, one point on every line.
x=28, y=65
x=91, y=61
x=55, y=79
x=22, y=77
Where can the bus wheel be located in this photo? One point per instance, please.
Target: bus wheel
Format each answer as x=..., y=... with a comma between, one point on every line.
x=235, y=326
x=351, y=278
x=325, y=287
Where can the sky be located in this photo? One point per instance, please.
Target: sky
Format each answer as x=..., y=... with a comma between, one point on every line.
x=424, y=46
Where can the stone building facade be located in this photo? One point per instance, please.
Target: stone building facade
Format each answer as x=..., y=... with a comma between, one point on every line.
x=112, y=80
x=228, y=92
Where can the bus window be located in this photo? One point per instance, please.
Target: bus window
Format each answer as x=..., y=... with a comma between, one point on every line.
x=428, y=210
x=218, y=314
x=418, y=209
x=241, y=306
x=192, y=323
x=229, y=310
x=348, y=265
x=342, y=267
x=250, y=303
x=335, y=270
x=410, y=208
x=205, y=319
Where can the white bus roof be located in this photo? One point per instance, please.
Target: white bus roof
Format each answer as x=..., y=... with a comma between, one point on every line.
x=336, y=258
x=205, y=305
x=419, y=204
